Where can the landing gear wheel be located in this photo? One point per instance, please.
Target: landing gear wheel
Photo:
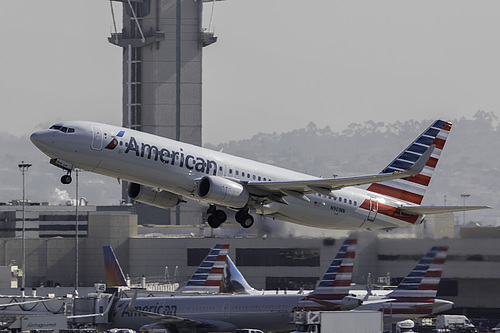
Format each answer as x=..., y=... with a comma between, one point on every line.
x=243, y=218
x=220, y=215
x=240, y=215
x=66, y=179
x=247, y=222
x=213, y=222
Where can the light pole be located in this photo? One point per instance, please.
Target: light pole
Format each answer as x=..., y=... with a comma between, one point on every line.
x=465, y=196
x=23, y=167
x=76, y=235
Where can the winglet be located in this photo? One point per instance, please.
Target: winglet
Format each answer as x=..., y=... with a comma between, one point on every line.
x=131, y=304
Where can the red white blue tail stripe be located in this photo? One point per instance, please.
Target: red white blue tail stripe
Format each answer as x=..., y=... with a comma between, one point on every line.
x=335, y=284
x=208, y=278
x=412, y=189
x=416, y=294
x=423, y=280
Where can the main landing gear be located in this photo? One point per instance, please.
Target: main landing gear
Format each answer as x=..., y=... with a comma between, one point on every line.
x=217, y=217
x=243, y=218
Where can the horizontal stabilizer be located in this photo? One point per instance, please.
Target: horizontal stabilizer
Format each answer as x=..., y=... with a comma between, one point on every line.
x=428, y=210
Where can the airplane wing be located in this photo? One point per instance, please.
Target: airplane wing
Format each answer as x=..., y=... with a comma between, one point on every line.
x=297, y=189
x=428, y=210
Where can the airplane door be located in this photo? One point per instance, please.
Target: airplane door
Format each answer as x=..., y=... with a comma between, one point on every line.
x=96, y=138
x=226, y=309
x=387, y=309
x=372, y=213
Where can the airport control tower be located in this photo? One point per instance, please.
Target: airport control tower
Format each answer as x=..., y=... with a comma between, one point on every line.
x=162, y=43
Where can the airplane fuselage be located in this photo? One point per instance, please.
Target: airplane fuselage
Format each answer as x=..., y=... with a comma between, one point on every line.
x=222, y=312
x=177, y=167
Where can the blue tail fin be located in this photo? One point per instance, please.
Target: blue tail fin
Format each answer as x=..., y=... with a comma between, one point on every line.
x=114, y=273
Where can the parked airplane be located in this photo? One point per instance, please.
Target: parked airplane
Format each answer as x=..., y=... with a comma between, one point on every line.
x=415, y=296
x=163, y=171
x=229, y=312
x=216, y=274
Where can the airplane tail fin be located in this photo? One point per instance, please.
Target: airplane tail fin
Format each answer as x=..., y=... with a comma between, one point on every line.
x=332, y=292
x=208, y=278
x=337, y=279
x=114, y=273
x=423, y=280
x=234, y=282
x=412, y=189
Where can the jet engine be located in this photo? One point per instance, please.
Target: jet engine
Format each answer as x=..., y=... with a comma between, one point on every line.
x=222, y=191
x=153, y=197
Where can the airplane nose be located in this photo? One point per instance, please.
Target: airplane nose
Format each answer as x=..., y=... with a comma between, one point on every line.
x=40, y=139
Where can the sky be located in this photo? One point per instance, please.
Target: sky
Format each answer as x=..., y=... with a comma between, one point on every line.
x=277, y=65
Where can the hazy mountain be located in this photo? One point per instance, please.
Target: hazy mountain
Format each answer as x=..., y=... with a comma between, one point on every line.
x=469, y=163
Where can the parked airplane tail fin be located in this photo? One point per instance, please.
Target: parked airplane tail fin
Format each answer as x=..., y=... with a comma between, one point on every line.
x=114, y=273
x=234, y=282
x=412, y=189
x=337, y=279
x=332, y=292
x=423, y=280
x=208, y=278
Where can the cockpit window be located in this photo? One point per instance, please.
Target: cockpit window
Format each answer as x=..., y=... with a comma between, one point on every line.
x=62, y=129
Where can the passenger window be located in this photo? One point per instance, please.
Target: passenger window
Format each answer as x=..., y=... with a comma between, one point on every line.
x=259, y=178
x=248, y=175
x=243, y=174
x=231, y=171
x=254, y=177
x=350, y=202
x=345, y=200
x=355, y=203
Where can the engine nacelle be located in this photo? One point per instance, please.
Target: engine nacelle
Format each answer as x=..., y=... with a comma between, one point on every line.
x=153, y=197
x=222, y=191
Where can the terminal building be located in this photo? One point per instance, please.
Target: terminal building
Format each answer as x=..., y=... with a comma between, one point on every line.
x=271, y=261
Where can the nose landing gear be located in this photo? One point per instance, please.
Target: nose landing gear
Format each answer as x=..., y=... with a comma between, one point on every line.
x=66, y=179
x=68, y=167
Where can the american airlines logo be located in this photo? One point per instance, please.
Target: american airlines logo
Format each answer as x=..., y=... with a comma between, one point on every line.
x=172, y=157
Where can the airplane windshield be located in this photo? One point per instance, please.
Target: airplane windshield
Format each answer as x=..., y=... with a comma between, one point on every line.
x=62, y=129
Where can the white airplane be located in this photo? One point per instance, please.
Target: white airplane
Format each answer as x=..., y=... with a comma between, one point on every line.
x=162, y=171
x=225, y=313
